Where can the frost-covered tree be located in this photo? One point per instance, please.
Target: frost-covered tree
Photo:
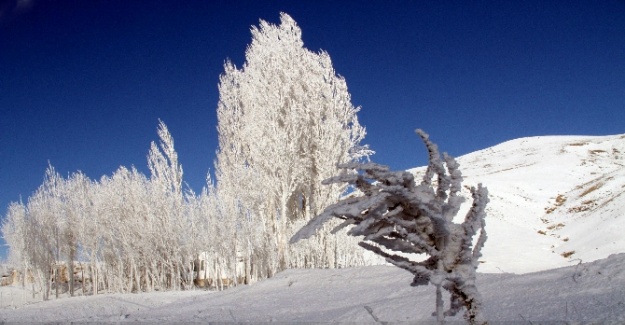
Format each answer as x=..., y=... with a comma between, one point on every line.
x=45, y=224
x=15, y=234
x=88, y=229
x=285, y=121
x=163, y=163
x=76, y=207
x=396, y=214
x=134, y=233
x=166, y=204
x=42, y=235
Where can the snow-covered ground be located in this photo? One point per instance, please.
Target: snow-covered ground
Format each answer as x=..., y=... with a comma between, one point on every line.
x=589, y=292
x=549, y=196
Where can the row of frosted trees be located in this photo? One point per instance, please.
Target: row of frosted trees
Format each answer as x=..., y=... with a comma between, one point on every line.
x=285, y=121
x=128, y=231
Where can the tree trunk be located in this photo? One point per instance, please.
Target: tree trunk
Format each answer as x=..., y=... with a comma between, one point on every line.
x=440, y=269
x=336, y=252
x=283, y=254
x=137, y=277
x=248, y=272
x=70, y=273
x=56, y=280
x=33, y=283
x=48, y=284
x=440, y=316
x=94, y=278
x=24, y=277
x=82, y=275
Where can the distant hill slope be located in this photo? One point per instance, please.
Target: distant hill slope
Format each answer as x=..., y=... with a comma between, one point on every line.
x=549, y=196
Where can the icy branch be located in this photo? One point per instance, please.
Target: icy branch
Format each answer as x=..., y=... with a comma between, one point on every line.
x=396, y=215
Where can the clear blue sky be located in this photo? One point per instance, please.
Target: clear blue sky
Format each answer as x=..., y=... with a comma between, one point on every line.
x=83, y=83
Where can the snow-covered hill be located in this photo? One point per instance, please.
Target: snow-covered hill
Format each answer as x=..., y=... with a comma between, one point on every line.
x=553, y=199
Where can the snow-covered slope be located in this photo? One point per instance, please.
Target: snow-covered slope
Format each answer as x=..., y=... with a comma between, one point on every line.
x=590, y=292
x=553, y=199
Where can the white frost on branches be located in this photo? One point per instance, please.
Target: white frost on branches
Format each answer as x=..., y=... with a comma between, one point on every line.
x=128, y=232
x=396, y=214
x=285, y=122
x=163, y=162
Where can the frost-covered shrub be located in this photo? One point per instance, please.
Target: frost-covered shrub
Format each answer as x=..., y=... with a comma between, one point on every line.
x=395, y=214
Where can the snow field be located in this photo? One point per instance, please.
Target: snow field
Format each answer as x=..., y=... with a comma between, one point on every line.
x=589, y=292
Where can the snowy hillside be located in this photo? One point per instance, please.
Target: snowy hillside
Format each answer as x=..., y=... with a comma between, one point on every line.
x=553, y=199
x=590, y=292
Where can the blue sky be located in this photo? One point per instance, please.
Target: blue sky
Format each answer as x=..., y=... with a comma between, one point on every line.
x=83, y=83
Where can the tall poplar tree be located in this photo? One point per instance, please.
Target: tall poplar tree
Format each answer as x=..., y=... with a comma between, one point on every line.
x=285, y=121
